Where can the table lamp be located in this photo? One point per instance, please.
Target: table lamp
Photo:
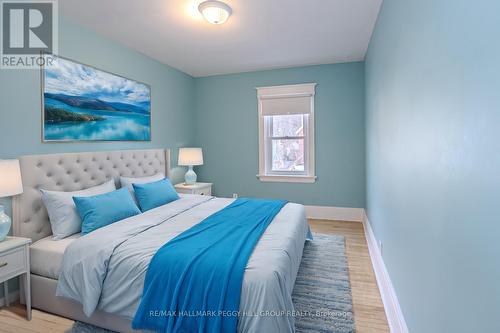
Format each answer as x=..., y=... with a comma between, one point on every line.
x=10, y=185
x=190, y=157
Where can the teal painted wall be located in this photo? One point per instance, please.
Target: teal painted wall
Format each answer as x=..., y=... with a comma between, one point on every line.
x=226, y=126
x=171, y=90
x=172, y=99
x=433, y=184
x=171, y=103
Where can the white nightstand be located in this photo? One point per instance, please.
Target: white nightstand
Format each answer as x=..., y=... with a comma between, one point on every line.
x=198, y=188
x=15, y=261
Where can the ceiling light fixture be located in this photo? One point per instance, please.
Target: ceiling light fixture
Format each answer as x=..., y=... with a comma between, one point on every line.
x=215, y=12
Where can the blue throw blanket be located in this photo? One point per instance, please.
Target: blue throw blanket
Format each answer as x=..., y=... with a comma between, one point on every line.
x=193, y=283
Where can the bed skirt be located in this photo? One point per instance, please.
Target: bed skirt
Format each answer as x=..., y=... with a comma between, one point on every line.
x=43, y=298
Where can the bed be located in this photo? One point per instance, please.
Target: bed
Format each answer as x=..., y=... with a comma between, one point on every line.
x=269, y=275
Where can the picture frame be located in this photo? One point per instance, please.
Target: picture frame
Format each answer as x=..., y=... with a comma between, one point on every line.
x=82, y=103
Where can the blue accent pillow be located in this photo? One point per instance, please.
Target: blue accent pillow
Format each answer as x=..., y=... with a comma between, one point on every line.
x=100, y=210
x=155, y=194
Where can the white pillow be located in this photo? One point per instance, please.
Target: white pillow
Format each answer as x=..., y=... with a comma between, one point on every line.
x=64, y=219
x=128, y=181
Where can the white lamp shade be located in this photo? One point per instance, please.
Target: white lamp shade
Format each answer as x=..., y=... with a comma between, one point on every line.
x=190, y=156
x=10, y=178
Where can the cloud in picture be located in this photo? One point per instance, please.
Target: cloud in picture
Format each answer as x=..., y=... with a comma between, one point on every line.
x=70, y=78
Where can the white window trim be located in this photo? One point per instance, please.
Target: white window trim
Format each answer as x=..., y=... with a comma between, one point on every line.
x=295, y=90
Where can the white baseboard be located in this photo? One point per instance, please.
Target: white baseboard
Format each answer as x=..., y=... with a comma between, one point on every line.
x=397, y=323
x=335, y=213
x=13, y=297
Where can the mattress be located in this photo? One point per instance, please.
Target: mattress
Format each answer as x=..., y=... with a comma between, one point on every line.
x=46, y=255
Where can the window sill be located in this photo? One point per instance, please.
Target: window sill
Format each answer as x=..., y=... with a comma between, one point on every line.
x=287, y=179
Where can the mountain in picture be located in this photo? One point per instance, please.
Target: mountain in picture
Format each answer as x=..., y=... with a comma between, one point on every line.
x=96, y=104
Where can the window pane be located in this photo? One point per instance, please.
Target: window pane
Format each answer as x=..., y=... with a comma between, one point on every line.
x=288, y=125
x=288, y=155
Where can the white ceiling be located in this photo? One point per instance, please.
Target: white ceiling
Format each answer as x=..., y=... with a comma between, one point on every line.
x=261, y=34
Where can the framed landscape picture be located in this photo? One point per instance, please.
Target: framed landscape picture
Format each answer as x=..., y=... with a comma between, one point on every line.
x=83, y=103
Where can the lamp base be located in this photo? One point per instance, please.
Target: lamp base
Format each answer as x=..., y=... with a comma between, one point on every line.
x=190, y=176
x=5, y=223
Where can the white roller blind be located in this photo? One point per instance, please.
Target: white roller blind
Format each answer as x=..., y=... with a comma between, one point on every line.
x=286, y=105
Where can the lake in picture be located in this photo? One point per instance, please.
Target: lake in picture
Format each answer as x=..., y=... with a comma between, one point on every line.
x=82, y=103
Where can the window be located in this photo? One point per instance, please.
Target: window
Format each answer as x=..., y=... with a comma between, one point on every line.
x=286, y=133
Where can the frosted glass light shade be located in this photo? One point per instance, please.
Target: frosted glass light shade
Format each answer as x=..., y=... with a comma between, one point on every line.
x=190, y=156
x=10, y=178
x=215, y=12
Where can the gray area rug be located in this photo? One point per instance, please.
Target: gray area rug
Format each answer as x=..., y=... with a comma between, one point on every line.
x=322, y=292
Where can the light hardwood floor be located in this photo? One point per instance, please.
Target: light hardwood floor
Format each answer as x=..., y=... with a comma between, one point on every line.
x=368, y=310
x=369, y=313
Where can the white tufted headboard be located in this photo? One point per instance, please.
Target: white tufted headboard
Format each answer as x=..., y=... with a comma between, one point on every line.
x=73, y=172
